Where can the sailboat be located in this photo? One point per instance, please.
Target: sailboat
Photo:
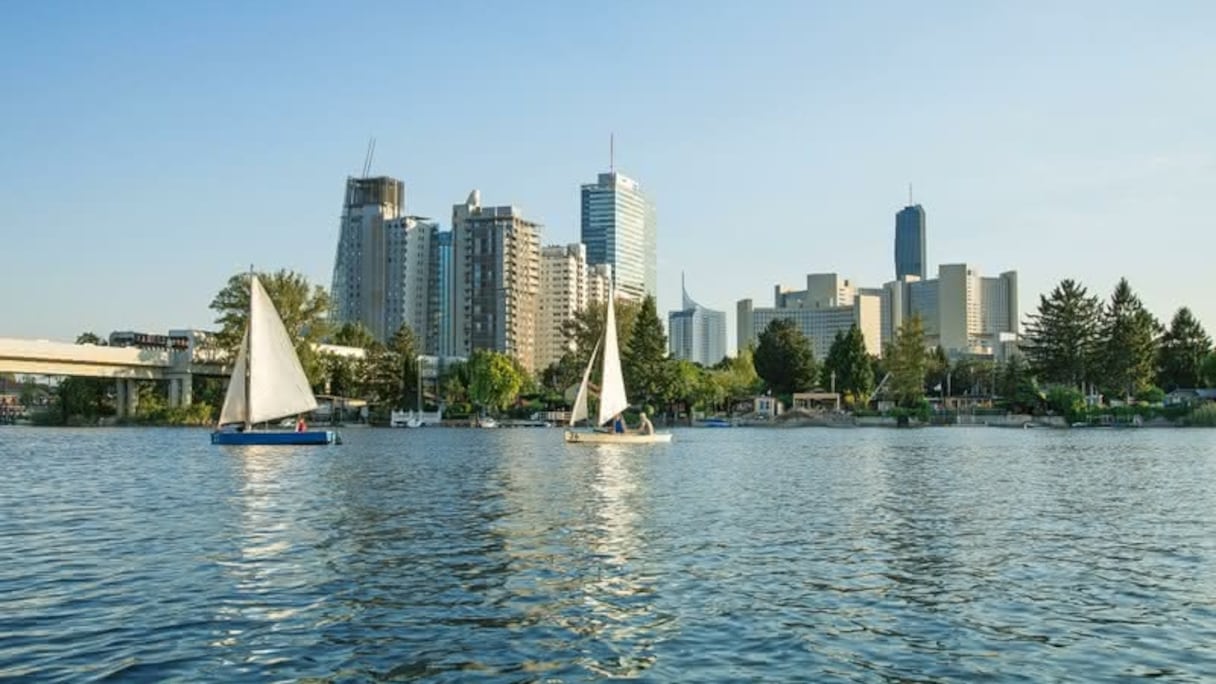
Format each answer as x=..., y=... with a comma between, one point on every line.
x=612, y=395
x=267, y=383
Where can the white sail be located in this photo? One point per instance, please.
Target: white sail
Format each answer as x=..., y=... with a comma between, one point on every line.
x=234, y=400
x=612, y=386
x=580, y=401
x=277, y=384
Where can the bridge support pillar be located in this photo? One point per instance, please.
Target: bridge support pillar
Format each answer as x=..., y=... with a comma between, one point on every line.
x=120, y=398
x=181, y=390
x=126, y=397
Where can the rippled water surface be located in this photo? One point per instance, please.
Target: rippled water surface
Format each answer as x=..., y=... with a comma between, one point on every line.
x=814, y=554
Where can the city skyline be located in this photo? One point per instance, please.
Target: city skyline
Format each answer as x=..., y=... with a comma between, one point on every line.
x=191, y=158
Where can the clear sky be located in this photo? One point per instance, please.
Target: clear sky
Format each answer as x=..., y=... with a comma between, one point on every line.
x=148, y=150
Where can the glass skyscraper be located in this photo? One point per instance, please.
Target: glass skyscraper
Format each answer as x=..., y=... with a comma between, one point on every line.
x=910, y=242
x=618, y=228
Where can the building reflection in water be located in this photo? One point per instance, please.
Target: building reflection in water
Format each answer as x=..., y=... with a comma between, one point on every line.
x=579, y=561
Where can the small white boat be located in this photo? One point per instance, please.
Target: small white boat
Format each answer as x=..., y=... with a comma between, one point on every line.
x=267, y=384
x=487, y=422
x=597, y=437
x=612, y=396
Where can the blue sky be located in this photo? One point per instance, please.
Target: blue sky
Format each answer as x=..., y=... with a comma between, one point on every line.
x=148, y=150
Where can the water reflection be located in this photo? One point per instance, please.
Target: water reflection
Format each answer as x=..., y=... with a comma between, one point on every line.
x=274, y=582
x=733, y=554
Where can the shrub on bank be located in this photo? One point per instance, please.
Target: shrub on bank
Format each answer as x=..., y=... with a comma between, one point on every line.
x=1203, y=416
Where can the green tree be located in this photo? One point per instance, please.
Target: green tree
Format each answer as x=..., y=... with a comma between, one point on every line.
x=937, y=367
x=1061, y=340
x=1128, y=343
x=1016, y=386
x=1067, y=402
x=1183, y=349
x=848, y=368
x=645, y=356
x=83, y=400
x=392, y=371
x=907, y=362
x=494, y=379
x=90, y=338
x=683, y=383
x=353, y=334
x=454, y=383
x=302, y=307
x=586, y=327
x=1207, y=371
x=562, y=374
x=784, y=358
x=737, y=376
x=342, y=375
x=970, y=377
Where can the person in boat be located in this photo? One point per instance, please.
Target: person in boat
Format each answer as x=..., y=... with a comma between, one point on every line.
x=646, y=427
x=618, y=424
x=301, y=426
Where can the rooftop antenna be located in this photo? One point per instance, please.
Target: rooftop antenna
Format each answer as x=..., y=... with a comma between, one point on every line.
x=611, y=153
x=909, y=194
x=371, y=152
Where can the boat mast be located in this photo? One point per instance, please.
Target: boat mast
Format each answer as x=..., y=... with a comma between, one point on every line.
x=249, y=355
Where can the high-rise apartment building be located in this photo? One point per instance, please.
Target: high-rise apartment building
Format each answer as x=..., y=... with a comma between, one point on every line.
x=360, y=286
x=599, y=283
x=696, y=333
x=410, y=295
x=564, y=292
x=496, y=280
x=618, y=228
x=910, y=257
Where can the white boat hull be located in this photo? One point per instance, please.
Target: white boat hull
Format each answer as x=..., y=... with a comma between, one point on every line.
x=592, y=437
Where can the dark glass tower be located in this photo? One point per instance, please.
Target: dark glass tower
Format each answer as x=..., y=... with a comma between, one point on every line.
x=910, y=242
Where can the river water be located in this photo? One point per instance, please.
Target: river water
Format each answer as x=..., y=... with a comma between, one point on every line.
x=505, y=555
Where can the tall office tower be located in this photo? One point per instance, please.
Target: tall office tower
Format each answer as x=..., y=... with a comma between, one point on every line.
x=910, y=242
x=361, y=282
x=563, y=293
x=496, y=275
x=409, y=296
x=696, y=333
x=442, y=291
x=618, y=227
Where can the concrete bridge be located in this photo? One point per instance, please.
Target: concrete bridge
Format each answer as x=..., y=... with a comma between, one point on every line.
x=126, y=365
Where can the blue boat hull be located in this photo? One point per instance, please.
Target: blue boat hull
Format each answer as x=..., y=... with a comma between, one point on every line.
x=276, y=438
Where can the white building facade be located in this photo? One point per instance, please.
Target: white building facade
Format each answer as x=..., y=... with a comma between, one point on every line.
x=829, y=305
x=563, y=293
x=410, y=299
x=696, y=333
